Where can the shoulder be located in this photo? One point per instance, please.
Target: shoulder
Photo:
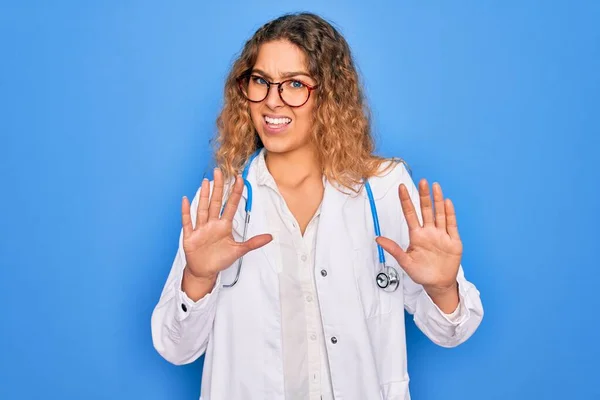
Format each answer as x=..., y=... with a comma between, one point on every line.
x=391, y=173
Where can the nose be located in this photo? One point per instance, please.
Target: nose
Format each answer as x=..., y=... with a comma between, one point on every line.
x=273, y=101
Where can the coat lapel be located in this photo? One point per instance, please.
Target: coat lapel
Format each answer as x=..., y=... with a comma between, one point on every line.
x=334, y=242
x=258, y=221
x=345, y=219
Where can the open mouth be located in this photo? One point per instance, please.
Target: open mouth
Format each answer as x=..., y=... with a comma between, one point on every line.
x=277, y=123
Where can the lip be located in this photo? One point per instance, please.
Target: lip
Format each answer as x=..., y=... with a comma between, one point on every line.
x=276, y=116
x=269, y=129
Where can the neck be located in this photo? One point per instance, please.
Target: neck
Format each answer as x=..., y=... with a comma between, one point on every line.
x=294, y=168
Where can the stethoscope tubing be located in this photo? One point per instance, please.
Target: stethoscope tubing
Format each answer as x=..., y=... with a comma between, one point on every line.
x=386, y=277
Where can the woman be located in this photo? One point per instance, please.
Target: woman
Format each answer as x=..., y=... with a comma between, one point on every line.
x=307, y=318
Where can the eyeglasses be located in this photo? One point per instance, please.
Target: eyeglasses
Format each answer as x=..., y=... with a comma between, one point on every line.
x=292, y=92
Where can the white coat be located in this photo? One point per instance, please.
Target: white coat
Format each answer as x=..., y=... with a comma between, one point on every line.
x=239, y=328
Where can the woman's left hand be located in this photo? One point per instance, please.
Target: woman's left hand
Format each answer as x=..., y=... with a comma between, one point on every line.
x=433, y=256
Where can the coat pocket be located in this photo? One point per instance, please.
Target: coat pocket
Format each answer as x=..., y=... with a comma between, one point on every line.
x=395, y=391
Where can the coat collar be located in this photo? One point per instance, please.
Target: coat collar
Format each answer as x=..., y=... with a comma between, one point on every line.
x=334, y=216
x=258, y=174
x=334, y=200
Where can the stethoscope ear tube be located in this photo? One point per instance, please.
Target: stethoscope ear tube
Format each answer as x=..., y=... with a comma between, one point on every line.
x=248, y=209
x=387, y=278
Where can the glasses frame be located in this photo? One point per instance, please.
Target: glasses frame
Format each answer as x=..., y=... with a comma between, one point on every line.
x=279, y=85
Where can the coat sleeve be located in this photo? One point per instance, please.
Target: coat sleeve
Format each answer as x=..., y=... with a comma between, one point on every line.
x=443, y=329
x=181, y=328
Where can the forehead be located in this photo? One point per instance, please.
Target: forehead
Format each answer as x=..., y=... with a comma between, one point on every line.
x=279, y=57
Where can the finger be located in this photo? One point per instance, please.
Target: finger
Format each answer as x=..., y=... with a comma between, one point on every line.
x=186, y=218
x=234, y=199
x=408, y=208
x=394, y=250
x=255, y=242
x=426, y=206
x=438, y=202
x=216, y=198
x=202, y=211
x=451, y=225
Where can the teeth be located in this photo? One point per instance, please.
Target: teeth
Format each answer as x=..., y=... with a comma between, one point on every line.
x=277, y=121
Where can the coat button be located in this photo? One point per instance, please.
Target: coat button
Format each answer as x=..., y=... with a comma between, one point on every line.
x=334, y=340
x=183, y=307
x=323, y=272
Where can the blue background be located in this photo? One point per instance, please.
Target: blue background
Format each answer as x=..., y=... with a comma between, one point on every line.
x=106, y=111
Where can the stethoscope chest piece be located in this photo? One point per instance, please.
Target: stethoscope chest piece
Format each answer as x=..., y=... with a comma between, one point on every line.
x=388, y=280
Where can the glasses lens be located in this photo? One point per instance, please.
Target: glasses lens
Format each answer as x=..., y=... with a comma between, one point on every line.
x=294, y=93
x=255, y=88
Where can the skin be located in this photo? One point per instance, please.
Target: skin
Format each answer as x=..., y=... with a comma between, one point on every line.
x=291, y=157
x=432, y=258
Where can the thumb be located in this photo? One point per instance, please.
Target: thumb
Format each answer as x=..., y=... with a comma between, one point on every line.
x=394, y=250
x=256, y=242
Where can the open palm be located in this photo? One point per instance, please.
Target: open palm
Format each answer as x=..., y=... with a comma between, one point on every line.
x=433, y=255
x=209, y=246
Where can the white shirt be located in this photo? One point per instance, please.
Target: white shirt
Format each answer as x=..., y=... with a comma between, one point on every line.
x=246, y=331
x=306, y=371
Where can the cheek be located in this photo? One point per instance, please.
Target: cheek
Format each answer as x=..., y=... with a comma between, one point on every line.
x=255, y=114
x=304, y=117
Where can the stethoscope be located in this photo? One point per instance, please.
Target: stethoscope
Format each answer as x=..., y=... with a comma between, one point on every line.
x=387, y=277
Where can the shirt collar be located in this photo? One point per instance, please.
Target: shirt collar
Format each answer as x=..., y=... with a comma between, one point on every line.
x=264, y=177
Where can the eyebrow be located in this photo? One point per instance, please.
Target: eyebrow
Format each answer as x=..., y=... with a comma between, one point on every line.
x=283, y=75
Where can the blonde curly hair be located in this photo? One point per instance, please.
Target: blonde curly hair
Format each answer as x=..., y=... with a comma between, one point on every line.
x=341, y=127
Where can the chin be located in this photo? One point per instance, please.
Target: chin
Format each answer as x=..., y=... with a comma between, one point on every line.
x=277, y=148
x=281, y=144
x=277, y=145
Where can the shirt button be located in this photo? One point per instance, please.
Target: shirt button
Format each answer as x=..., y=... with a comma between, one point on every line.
x=334, y=340
x=313, y=337
x=309, y=298
x=183, y=307
x=303, y=257
x=323, y=272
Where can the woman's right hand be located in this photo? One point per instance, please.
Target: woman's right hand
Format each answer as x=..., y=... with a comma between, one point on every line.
x=209, y=246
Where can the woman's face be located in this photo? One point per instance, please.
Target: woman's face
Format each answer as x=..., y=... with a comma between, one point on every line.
x=280, y=127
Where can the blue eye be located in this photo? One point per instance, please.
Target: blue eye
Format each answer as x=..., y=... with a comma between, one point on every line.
x=258, y=80
x=296, y=84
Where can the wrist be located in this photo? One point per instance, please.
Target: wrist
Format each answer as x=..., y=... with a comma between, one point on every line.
x=197, y=287
x=202, y=279
x=441, y=290
x=445, y=297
